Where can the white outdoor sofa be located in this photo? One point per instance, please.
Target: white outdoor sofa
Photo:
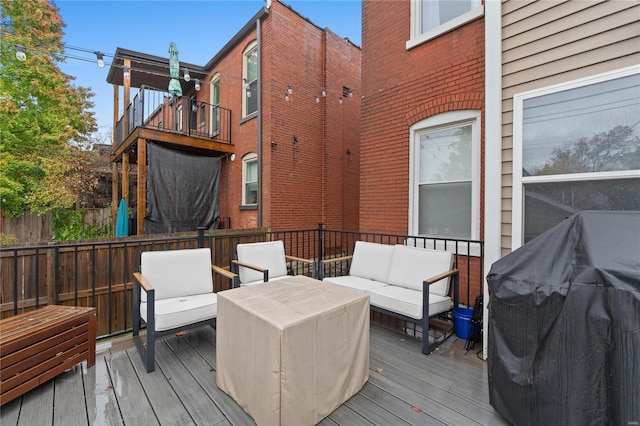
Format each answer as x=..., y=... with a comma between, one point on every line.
x=172, y=292
x=410, y=283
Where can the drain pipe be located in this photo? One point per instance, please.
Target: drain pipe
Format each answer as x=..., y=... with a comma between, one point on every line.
x=259, y=118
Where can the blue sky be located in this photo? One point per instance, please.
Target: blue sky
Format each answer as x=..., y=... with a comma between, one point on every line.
x=199, y=29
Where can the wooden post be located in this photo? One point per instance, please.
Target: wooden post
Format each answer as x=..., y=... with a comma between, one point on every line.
x=125, y=98
x=142, y=184
x=125, y=177
x=114, y=167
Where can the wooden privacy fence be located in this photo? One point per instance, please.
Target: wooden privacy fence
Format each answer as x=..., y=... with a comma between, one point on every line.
x=99, y=274
x=31, y=227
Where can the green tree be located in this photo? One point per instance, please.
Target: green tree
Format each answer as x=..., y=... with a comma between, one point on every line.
x=45, y=119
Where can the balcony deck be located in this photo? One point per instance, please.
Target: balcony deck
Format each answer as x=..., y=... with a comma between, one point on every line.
x=405, y=387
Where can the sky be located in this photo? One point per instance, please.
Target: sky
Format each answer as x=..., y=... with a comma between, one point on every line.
x=199, y=29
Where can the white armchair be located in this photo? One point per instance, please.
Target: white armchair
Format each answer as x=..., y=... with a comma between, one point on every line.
x=260, y=262
x=172, y=292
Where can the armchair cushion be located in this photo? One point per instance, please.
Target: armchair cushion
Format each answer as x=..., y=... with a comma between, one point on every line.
x=180, y=311
x=267, y=255
x=177, y=273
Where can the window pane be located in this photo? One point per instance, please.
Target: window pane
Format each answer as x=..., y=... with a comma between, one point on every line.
x=252, y=65
x=546, y=204
x=438, y=12
x=215, y=96
x=251, y=193
x=252, y=171
x=586, y=129
x=252, y=98
x=445, y=155
x=445, y=210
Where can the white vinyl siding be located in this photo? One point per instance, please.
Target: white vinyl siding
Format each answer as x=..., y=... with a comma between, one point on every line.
x=546, y=43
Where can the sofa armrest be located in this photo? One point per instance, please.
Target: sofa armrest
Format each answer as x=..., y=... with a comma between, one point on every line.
x=232, y=276
x=310, y=262
x=438, y=277
x=254, y=267
x=454, y=286
x=324, y=262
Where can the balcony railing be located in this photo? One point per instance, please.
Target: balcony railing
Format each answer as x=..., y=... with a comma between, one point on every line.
x=100, y=273
x=161, y=110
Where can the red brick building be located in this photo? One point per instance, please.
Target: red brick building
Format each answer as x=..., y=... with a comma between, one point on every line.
x=422, y=137
x=279, y=105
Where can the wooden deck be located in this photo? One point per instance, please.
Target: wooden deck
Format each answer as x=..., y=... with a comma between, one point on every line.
x=405, y=388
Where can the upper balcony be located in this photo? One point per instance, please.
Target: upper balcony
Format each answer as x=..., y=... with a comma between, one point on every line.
x=157, y=115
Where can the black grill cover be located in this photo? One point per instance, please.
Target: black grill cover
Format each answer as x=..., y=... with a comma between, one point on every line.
x=564, y=324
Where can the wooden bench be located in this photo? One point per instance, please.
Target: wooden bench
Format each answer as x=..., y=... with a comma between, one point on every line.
x=36, y=346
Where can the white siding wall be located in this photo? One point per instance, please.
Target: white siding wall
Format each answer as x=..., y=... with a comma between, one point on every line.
x=550, y=42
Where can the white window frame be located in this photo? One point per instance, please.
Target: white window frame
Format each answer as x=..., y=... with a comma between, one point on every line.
x=444, y=120
x=253, y=45
x=249, y=158
x=517, y=209
x=179, y=118
x=418, y=38
x=214, y=113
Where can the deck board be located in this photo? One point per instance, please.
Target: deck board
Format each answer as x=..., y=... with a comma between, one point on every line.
x=161, y=395
x=134, y=404
x=405, y=387
x=69, y=389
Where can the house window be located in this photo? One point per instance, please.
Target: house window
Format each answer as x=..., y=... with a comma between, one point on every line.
x=431, y=18
x=250, y=80
x=215, y=105
x=576, y=146
x=444, y=174
x=250, y=179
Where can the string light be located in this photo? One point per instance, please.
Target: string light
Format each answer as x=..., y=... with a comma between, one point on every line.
x=20, y=55
x=100, y=58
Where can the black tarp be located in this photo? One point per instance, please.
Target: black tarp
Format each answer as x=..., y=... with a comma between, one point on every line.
x=182, y=191
x=564, y=324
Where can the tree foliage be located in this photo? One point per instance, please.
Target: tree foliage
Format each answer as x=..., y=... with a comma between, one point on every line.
x=45, y=118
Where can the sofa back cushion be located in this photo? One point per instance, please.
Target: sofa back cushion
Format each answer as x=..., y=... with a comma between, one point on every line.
x=410, y=266
x=175, y=273
x=268, y=255
x=371, y=261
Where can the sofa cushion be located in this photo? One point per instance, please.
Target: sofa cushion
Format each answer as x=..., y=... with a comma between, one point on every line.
x=407, y=301
x=180, y=311
x=371, y=260
x=357, y=283
x=174, y=273
x=410, y=266
x=268, y=255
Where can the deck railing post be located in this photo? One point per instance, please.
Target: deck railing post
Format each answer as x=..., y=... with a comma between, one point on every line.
x=201, y=236
x=320, y=252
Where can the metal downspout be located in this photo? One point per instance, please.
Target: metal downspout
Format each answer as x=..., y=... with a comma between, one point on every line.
x=259, y=118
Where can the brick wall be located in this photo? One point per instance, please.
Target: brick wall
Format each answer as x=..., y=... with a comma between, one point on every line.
x=400, y=88
x=308, y=177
